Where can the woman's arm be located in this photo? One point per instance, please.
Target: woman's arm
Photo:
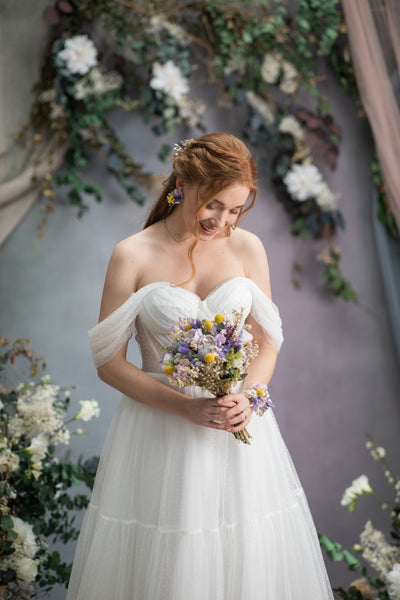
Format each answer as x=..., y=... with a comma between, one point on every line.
x=261, y=368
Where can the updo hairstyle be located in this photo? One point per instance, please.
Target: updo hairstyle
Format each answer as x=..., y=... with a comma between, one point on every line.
x=214, y=162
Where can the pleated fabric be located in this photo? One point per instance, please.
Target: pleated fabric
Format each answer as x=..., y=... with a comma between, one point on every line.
x=183, y=512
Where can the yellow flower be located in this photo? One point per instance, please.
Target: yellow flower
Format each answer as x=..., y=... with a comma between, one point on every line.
x=168, y=370
x=187, y=328
x=260, y=393
x=207, y=325
x=209, y=358
x=219, y=318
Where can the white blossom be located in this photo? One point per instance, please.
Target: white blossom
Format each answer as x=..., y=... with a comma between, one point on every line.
x=290, y=78
x=393, y=580
x=261, y=107
x=303, y=181
x=96, y=83
x=357, y=488
x=89, y=409
x=326, y=199
x=168, y=78
x=38, y=448
x=37, y=412
x=159, y=23
x=79, y=54
x=26, y=570
x=25, y=543
x=8, y=459
x=291, y=125
x=270, y=68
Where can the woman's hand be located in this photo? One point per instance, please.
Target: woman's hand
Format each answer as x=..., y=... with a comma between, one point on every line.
x=229, y=413
x=237, y=412
x=207, y=412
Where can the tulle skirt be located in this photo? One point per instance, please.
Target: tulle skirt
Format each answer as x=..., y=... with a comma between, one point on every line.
x=183, y=512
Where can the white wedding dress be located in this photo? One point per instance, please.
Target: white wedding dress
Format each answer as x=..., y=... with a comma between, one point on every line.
x=184, y=512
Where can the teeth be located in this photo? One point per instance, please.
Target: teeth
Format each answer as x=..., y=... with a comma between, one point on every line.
x=208, y=229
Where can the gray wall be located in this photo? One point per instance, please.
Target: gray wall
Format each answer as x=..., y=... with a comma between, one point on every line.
x=337, y=376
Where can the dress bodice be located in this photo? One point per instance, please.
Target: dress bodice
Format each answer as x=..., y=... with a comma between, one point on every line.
x=152, y=311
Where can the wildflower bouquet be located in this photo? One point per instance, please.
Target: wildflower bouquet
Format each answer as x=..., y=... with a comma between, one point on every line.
x=35, y=503
x=382, y=555
x=213, y=355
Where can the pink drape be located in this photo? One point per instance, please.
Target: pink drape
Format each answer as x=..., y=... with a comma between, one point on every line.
x=374, y=34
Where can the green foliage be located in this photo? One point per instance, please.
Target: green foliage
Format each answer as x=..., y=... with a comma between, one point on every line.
x=339, y=286
x=384, y=214
x=40, y=489
x=234, y=42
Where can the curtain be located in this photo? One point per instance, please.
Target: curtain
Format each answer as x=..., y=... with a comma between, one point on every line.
x=374, y=33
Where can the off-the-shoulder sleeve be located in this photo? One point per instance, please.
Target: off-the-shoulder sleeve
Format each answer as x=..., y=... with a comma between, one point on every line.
x=110, y=335
x=266, y=313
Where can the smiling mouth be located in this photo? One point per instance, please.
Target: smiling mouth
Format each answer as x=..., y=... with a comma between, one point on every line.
x=208, y=230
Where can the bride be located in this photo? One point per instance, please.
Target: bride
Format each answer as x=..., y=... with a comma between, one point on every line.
x=181, y=510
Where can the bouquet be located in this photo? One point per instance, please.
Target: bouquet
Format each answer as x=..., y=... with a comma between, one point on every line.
x=213, y=355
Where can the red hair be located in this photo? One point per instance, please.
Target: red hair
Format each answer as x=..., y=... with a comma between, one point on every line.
x=214, y=162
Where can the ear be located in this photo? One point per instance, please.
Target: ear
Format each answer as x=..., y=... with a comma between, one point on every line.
x=179, y=183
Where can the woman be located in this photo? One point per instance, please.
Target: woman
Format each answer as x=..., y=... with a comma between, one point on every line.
x=180, y=509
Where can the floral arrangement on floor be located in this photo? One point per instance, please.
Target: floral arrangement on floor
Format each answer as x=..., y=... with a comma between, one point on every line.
x=377, y=551
x=144, y=57
x=37, y=503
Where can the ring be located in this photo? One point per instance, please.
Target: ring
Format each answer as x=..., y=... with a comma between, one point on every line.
x=217, y=421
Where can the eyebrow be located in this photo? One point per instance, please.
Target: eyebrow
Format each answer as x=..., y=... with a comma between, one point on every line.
x=222, y=204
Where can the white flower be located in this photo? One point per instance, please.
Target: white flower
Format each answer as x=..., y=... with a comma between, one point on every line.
x=79, y=54
x=290, y=79
x=26, y=570
x=270, y=68
x=37, y=412
x=261, y=107
x=25, y=543
x=96, y=83
x=326, y=199
x=1, y=405
x=9, y=459
x=393, y=580
x=303, y=181
x=89, y=409
x=38, y=449
x=357, y=488
x=168, y=78
x=159, y=23
x=291, y=125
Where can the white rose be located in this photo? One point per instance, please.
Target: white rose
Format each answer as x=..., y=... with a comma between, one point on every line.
x=303, y=181
x=168, y=78
x=79, y=54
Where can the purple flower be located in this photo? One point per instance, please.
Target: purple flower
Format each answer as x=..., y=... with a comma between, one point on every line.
x=183, y=348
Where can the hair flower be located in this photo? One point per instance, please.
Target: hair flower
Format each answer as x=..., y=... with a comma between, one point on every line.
x=181, y=146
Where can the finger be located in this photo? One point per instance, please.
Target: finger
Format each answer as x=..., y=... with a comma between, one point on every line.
x=240, y=426
x=233, y=413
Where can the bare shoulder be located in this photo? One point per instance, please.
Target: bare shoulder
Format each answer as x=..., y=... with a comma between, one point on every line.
x=136, y=252
x=125, y=269
x=254, y=258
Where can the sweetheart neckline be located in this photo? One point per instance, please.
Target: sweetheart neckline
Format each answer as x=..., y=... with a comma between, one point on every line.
x=214, y=289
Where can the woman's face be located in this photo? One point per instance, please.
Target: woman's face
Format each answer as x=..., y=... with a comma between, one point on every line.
x=220, y=212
